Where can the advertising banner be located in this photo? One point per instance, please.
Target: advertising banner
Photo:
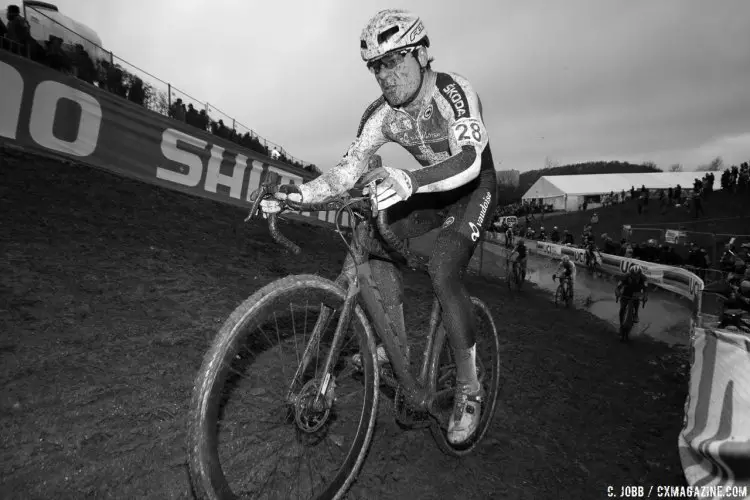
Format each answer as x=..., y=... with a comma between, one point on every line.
x=46, y=111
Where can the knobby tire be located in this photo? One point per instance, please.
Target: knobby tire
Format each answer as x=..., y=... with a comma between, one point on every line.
x=206, y=473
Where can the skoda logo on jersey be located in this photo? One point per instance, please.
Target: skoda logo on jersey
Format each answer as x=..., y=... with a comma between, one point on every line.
x=427, y=113
x=450, y=220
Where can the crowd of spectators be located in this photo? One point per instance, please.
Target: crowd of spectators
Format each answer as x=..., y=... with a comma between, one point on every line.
x=15, y=36
x=201, y=120
x=733, y=261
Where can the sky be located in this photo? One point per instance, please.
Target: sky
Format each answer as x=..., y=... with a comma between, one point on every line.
x=569, y=81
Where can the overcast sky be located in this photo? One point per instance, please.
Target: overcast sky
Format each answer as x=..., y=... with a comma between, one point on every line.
x=666, y=81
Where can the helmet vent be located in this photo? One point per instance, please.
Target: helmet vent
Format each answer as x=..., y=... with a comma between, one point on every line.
x=387, y=34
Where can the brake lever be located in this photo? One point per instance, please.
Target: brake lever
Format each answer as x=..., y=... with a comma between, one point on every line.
x=264, y=190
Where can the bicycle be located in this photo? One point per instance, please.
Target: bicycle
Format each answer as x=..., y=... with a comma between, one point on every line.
x=627, y=320
x=515, y=275
x=313, y=398
x=563, y=294
x=592, y=262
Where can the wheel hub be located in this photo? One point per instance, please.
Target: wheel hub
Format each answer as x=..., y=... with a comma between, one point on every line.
x=311, y=410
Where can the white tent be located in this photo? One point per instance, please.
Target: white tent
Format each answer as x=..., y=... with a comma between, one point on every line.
x=566, y=192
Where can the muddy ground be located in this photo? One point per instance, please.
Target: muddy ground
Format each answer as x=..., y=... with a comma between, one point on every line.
x=112, y=290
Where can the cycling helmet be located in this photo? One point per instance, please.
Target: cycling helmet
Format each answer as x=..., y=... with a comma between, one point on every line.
x=635, y=269
x=390, y=30
x=565, y=259
x=554, y=228
x=521, y=242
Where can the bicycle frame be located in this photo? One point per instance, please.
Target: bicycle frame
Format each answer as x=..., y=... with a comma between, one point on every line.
x=420, y=392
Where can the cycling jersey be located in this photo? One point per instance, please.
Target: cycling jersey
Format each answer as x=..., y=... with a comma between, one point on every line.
x=632, y=285
x=455, y=189
x=567, y=269
x=521, y=250
x=443, y=131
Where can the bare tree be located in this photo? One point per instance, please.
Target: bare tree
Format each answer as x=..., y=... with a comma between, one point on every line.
x=675, y=168
x=650, y=164
x=550, y=163
x=714, y=166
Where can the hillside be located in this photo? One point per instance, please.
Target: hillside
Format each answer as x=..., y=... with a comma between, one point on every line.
x=725, y=214
x=509, y=194
x=113, y=290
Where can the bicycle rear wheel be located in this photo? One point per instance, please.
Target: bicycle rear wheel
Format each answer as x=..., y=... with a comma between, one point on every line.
x=559, y=295
x=627, y=323
x=257, y=428
x=488, y=371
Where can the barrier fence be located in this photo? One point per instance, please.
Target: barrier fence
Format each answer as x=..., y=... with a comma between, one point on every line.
x=160, y=94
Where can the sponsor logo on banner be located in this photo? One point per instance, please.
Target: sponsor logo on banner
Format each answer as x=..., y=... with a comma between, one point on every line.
x=46, y=111
x=549, y=248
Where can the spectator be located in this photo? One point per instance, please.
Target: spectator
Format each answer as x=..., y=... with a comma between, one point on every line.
x=554, y=236
x=568, y=238
x=83, y=65
x=178, y=110
x=56, y=58
x=192, y=117
x=136, y=94
x=275, y=154
x=18, y=28
x=204, y=120
x=697, y=203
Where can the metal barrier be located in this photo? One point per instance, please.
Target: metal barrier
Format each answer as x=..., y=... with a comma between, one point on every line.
x=159, y=95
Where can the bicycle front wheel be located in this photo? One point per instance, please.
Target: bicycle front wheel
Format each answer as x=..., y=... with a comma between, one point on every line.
x=264, y=421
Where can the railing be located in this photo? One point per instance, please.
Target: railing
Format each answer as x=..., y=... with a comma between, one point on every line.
x=161, y=95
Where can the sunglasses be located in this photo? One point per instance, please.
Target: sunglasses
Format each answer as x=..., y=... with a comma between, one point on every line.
x=389, y=61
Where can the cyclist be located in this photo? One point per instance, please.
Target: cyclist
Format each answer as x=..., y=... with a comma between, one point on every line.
x=630, y=285
x=437, y=117
x=509, y=237
x=520, y=261
x=591, y=250
x=566, y=270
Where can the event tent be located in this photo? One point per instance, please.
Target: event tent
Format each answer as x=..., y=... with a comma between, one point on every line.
x=566, y=192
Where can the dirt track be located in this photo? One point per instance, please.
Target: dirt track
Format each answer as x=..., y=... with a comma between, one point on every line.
x=112, y=290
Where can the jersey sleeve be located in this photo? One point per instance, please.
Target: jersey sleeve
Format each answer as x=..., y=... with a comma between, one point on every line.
x=467, y=137
x=353, y=165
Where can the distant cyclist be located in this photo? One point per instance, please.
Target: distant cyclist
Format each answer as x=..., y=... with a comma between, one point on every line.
x=566, y=270
x=520, y=251
x=509, y=237
x=591, y=251
x=633, y=283
x=437, y=118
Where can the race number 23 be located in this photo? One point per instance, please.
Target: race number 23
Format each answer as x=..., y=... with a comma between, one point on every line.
x=468, y=132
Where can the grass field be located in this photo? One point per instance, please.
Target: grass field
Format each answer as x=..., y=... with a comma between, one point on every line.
x=112, y=291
